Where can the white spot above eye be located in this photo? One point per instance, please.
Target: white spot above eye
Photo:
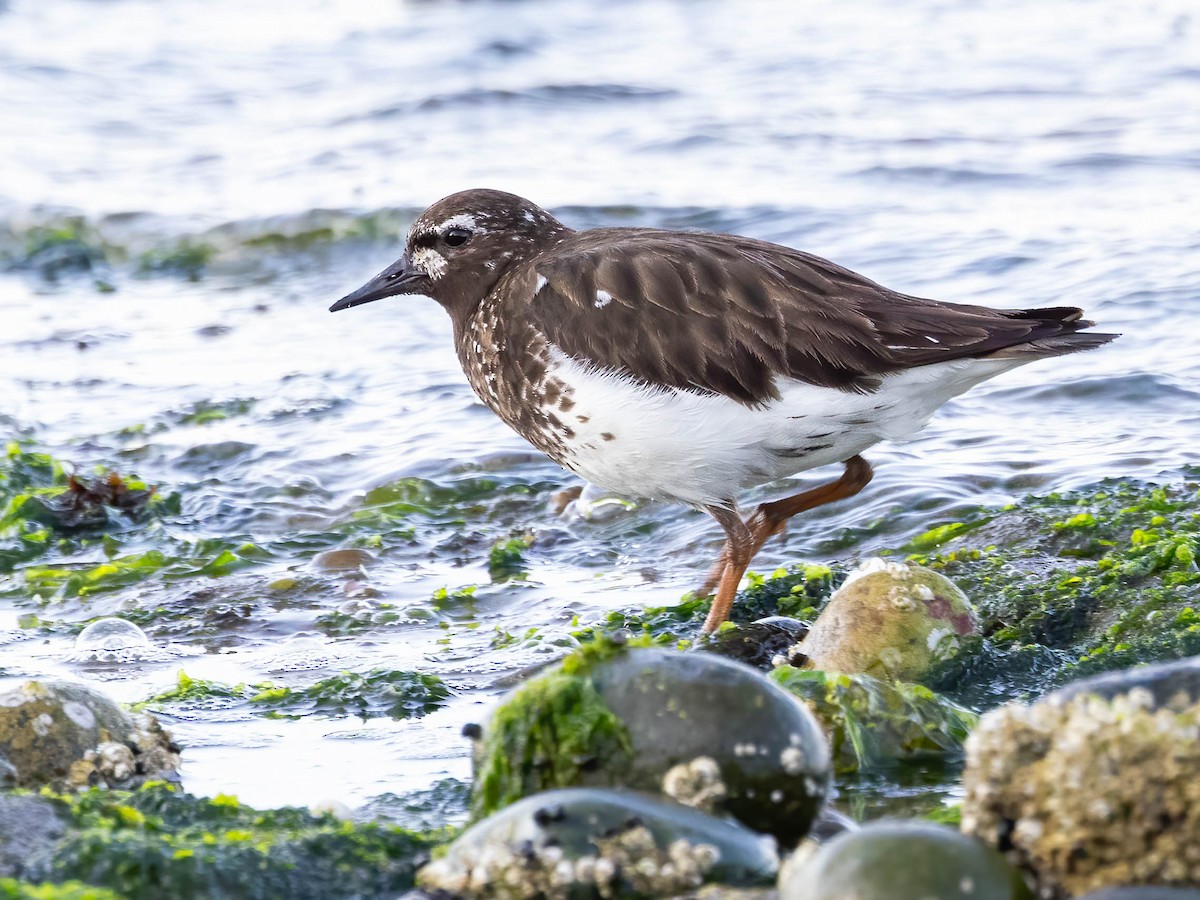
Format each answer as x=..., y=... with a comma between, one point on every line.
x=462, y=220
x=539, y=284
x=429, y=261
x=603, y=298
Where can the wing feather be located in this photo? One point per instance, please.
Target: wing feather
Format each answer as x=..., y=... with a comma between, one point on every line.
x=729, y=314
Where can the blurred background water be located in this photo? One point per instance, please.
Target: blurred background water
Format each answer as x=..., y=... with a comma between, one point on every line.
x=185, y=187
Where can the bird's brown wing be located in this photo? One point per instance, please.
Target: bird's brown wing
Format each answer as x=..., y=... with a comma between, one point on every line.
x=730, y=315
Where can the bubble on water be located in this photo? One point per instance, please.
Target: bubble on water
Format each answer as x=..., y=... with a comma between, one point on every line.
x=115, y=640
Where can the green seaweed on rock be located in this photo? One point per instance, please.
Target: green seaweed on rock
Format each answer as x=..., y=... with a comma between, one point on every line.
x=798, y=591
x=378, y=693
x=12, y=889
x=1076, y=583
x=160, y=842
x=872, y=723
x=551, y=728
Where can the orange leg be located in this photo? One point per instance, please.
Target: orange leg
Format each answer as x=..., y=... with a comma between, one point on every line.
x=767, y=521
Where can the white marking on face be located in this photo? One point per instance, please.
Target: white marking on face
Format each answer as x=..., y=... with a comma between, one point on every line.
x=603, y=298
x=541, y=283
x=429, y=261
x=462, y=220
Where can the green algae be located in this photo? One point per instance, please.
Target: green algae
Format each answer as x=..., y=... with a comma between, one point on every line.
x=798, y=591
x=46, y=510
x=506, y=559
x=546, y=733
x=375, y=694
x=190, y=691
x=160, y=842
x=187, y=256
x=874, y=724
x=12, y=889
x=1077, y=583
x=205, y=411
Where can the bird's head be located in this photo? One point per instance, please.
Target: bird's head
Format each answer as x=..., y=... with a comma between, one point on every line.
x=459, y=247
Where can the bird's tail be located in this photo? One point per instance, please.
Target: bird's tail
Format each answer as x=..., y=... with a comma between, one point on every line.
x=1056, y=331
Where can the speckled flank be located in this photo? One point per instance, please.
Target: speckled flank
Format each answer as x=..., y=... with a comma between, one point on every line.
x=518, y=387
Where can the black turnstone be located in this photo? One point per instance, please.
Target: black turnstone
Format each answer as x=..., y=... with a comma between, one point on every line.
x=691, y=366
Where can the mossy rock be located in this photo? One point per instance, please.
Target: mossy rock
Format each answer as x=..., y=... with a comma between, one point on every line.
x=12, y=889
x=873, y=724
x=158, y=842
x=705, y=730
x=66, y=736
x=1078, y=583
x=890, y=620
x=1144, y=893
x=589, y=843
x=903, y=861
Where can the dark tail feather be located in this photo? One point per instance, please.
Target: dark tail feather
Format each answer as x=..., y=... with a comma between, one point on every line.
x=1057, y=332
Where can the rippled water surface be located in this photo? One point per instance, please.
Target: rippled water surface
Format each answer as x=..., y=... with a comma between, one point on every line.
x=242, y=165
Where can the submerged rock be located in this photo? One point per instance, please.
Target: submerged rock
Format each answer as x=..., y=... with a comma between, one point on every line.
x=29, y=829
x=872, y=723
x=68, y=736
x=1144, y=893
x=157, y=842
x=902, y=861
x=1095, y=785
x=709, y=730
x=759, y=643
x=347, y=559
x=584, y=843
x=890, y=620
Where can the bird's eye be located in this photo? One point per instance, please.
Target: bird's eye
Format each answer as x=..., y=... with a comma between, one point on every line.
x=456, y=237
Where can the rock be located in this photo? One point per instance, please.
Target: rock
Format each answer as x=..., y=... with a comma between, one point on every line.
x=758, y=643
x=709, y=730
x=902, y=861
x=830, y=824
x=67, y=736
x=29, y=829
x=1088, y=790
x=349, y=559
x=158, y=842
x=872, y=723
x=584, y=843
x=890, y=620
x=1167, y=683
x=1144, y=893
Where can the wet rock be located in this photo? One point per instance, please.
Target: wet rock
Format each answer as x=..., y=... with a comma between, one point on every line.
x=902, y=861
x=830, y=824
x=707, y=729
x=29, y=829
x=348, y=559
x=890, y=620
x=1144, y=893
x=760, y=643
x=586, y=843
x=67, y=736
x=872, y=723
x=156, y=842
x=1095, y=785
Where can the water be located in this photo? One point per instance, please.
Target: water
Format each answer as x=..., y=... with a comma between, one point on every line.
x=997, y=153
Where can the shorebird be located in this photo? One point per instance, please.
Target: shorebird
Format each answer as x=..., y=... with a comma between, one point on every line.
x=691, y=366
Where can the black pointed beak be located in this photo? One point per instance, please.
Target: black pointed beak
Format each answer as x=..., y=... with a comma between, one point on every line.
x=398, y=278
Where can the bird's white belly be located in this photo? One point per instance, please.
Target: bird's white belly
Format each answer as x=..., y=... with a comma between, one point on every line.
x=702, y=449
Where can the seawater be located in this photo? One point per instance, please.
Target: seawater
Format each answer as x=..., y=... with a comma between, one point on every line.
x=1006, y=154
